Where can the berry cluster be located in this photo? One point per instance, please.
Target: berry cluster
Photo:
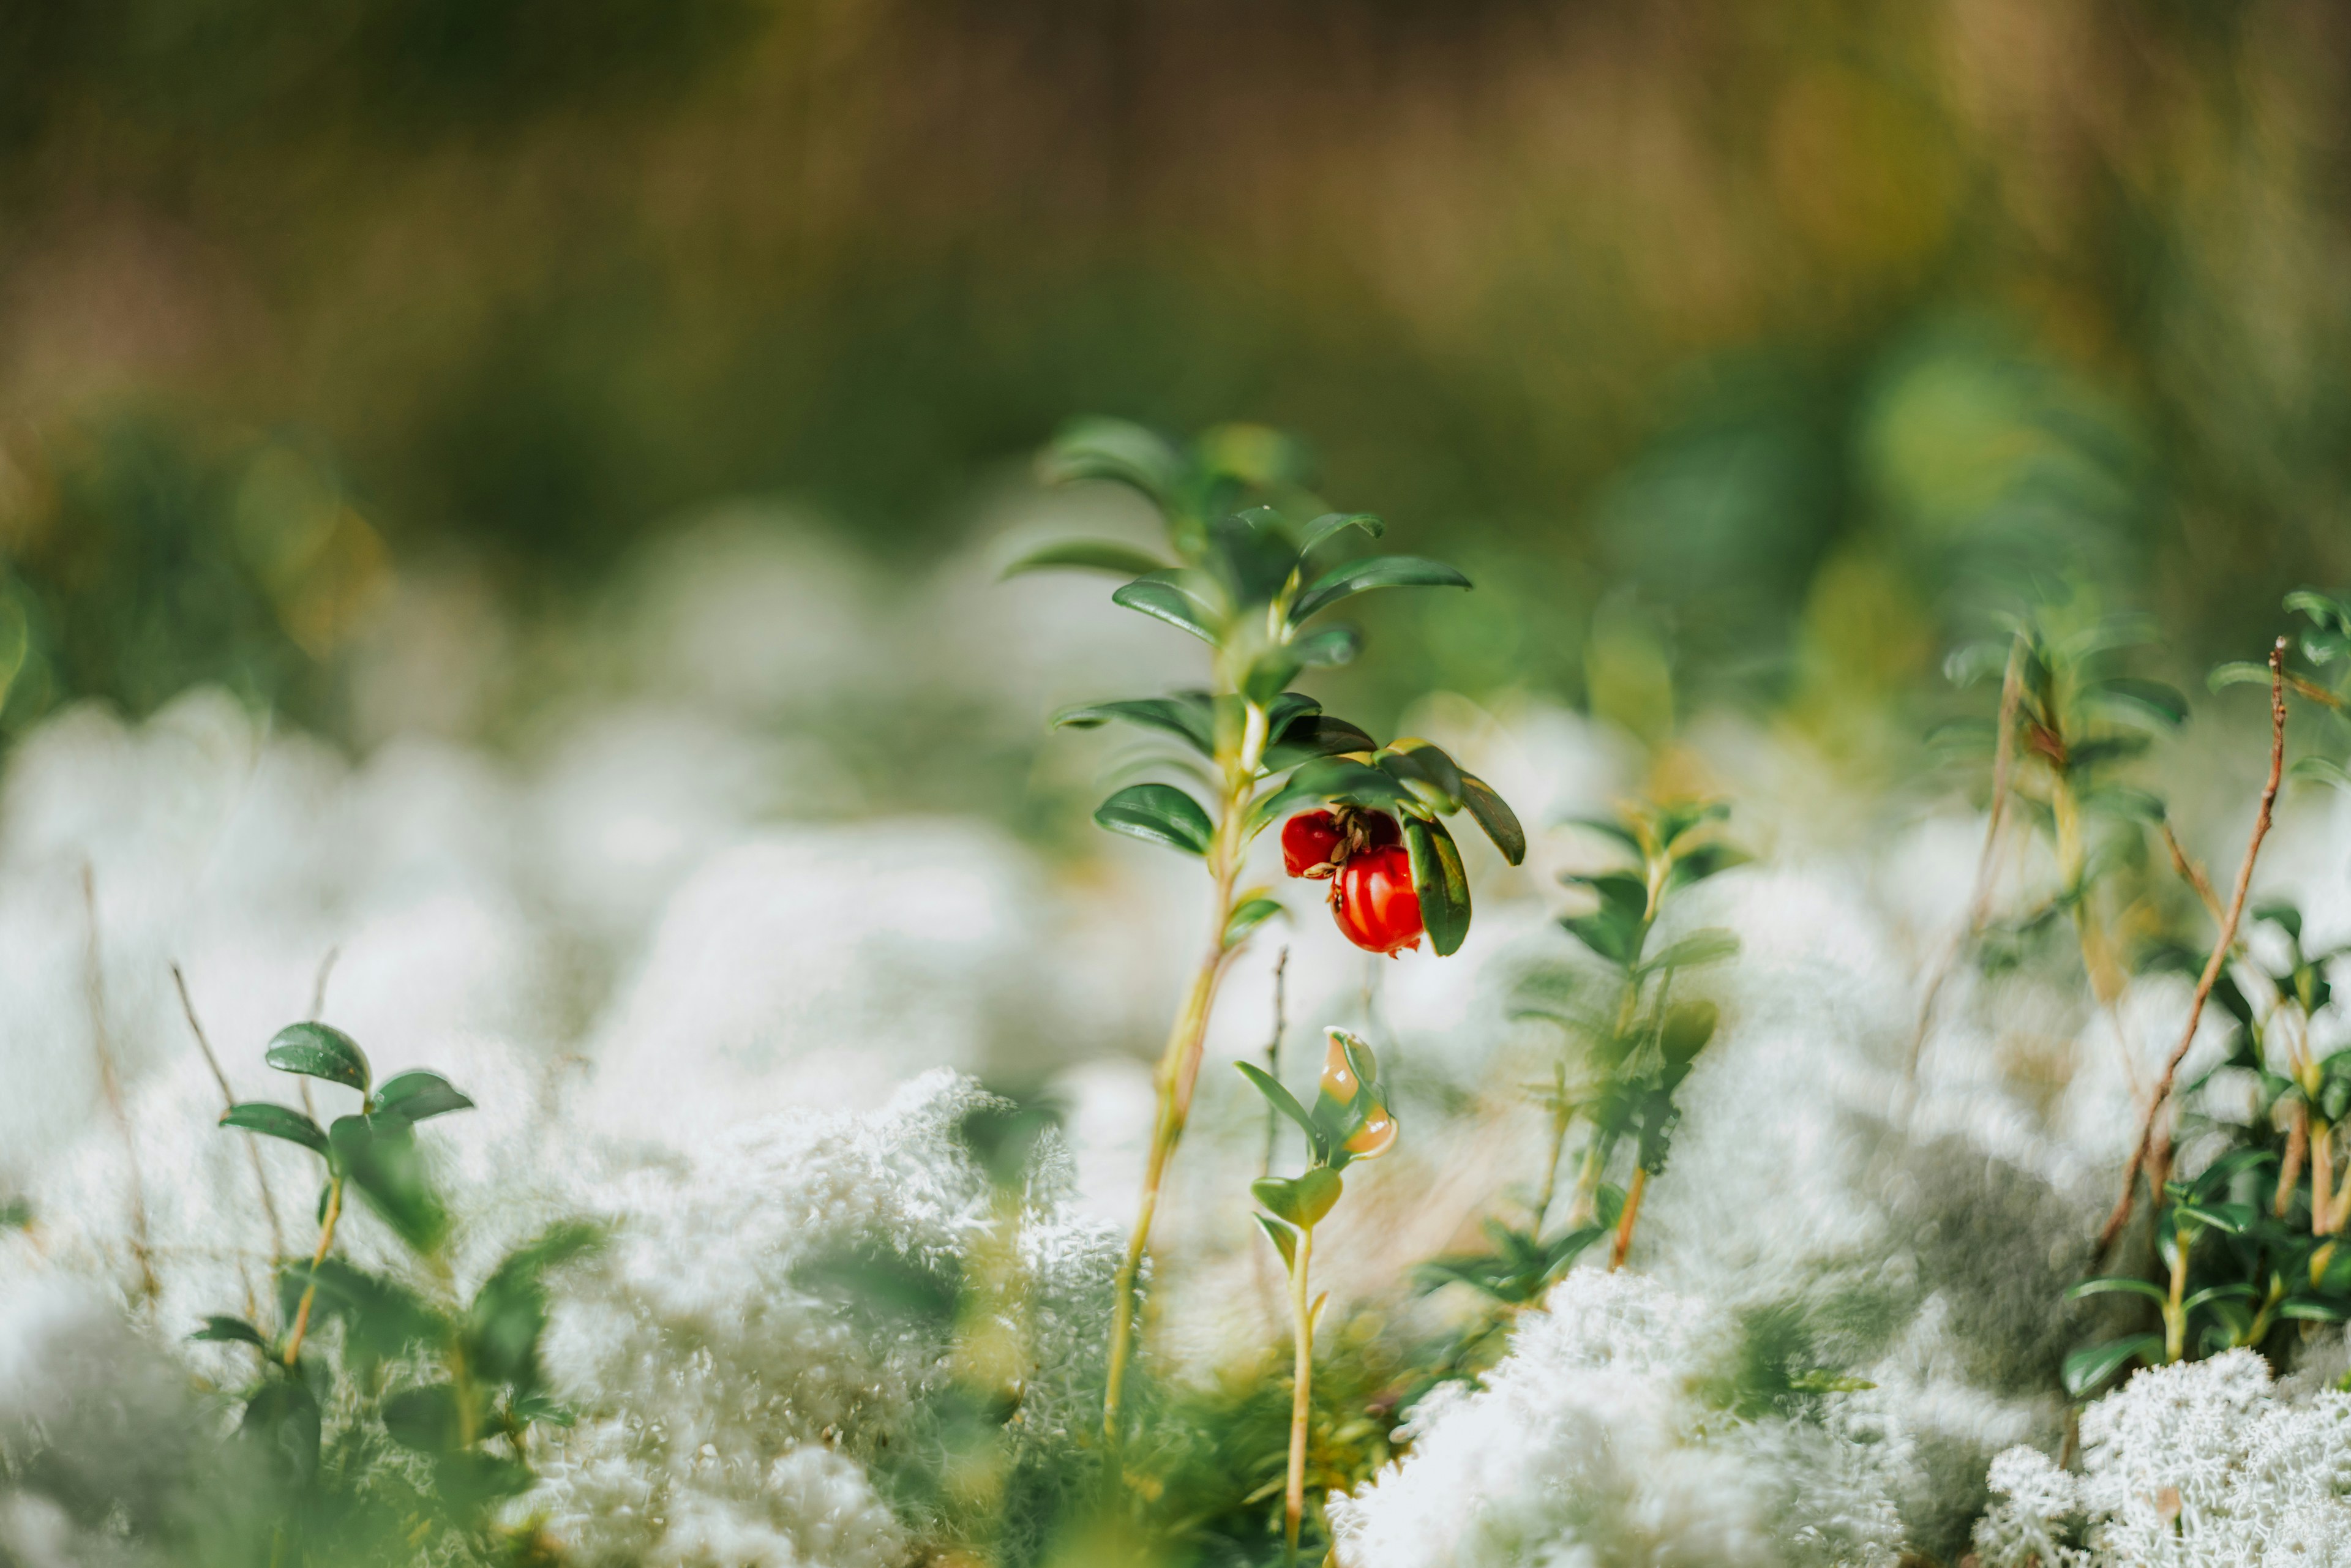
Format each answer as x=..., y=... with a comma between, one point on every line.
x=1362, y=854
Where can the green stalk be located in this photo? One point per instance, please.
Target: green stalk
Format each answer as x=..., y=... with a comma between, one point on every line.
x=1179, y=1064
x=2174, y=1319
x=311, y=1290
x=1293, y=1509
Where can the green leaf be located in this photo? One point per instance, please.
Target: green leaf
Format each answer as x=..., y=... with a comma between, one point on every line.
x=223, y=1330
x=1351, y=577
x=318, y=1051
x=2146, y=702
x=510, y=1312
x=1687, y=1028
x=2322, y=608
x=2212, y=1293
x=2238, y=673
x=1167, y=596
x=1425, y=770
x=1312, y=735
x=278, y=1121
x=2309, y=1308
x=282, y=1420
x=427, y=1420
x=1160, y=813
x=1277, y=666
x=1326, y=779
x=1495, y=816
x=1283, y=1236
x=1303, y=1200
x=2232, y=1218
x=1087, y=555
x=2114, y=1284
x=417, y=1095
x=1707, y=945
x=1248, y=916
x=1114, y=450
x=1331, y=524
x=382, y=1319
x=381, y=1159
x=2319, y=771
x=2085, y=1369
x=1283, y=1100
x=1442, y=884
x=1187, y=716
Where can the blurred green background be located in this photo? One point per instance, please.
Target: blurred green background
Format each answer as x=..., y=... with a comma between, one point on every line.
x=1772, y=343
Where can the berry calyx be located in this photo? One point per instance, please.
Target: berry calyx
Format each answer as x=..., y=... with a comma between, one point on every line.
x=1373, y=901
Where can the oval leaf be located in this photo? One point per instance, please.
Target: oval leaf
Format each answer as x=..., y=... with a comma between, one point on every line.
x=315, y=1050
x=381, y=1161
x=1283, y=1236
x=1188, y=716
x=221, y=1329
x=1159, y=596
x=1248, y=916
x=1115, y=450
x=1495, y=817
x=278, y=1121
x=2085, y=1369
x=1331, y=524
x=1442, y=884
x=414, y=1096
x=1087, y=555
x=2113, y=1284
x=1346, y=581
x=1160, y=813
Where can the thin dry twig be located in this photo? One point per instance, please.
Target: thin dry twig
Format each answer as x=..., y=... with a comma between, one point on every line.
x=2003, y=765
x=109, y=1085
x=228, y=1099
x=2190, y=873
x=2146, y=1155
x=1273, y=1052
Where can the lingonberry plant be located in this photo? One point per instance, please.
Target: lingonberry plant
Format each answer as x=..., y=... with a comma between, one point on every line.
x=1251, y=560
x=1350, y=1121
x=418, y=1422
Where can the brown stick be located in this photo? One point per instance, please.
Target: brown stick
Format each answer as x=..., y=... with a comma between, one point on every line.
x=228, y=1098
x=1622, y=1243
x=2004, y=765
x=2145, y=1154
x=318, y=1259
x=2193, y=873
x=109, y=1085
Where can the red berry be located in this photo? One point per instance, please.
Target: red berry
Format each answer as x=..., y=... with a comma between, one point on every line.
x=1310, y=843
x=1373, y=901
x=1379, y=829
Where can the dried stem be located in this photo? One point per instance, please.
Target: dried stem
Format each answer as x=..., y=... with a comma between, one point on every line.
x=252, y=1141
x=109, y=1085
x=2146, y=1155
x=2003, y=767
x=1273, y=1054
x=2193, y=873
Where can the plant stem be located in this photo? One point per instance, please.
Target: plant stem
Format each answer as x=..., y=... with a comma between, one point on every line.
x=2175, y=1321
x=2321, y=1176
x=311, y=1290
x=1300, y=1399
x=1179, y=1064
x=1627, y=1220
x=1273, y=1058
x=2146, y=1150
x=1562, y=1115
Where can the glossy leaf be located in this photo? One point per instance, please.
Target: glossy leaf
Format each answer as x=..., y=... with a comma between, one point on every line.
x=1246, y=916
x=1312, y=735
x=1277, y=666
x=1494, y=816
x=2146, y=702
x=1113, y=450
x=2113, y=1284
x=1330, y=525
x=381, y=1161
x=1162, y=596
x=1687, y=1028
x=1160, y=814
x=1351, y=577
x=223, y=1330
x=317, y=1051
x=1425, y=770
x=2238, y=673
x=2085, y=1369
x=2310, y=1309
x=1087, y=555
x=1283, y=1100
x=416, y=1095
x=1187, y=715
x=278, y=1121
x=1442, y=884
x=2322, y=608
x=1329, y=778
